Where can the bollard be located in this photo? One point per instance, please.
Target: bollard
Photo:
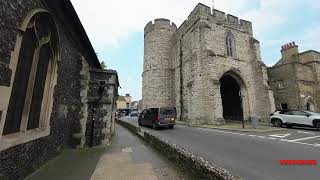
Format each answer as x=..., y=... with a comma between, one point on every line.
x=254, y=122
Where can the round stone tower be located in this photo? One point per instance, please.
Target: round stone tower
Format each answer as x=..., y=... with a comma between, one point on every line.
x=157, y=77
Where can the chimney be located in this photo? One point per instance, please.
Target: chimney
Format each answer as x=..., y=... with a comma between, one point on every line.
x=289, y=49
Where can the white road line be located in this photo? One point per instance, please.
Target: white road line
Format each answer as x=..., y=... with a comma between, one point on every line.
x=304, y=132
x=263, y=137
x=280, y=135
x=227, y=132
x=315, y=145
x=295, y=140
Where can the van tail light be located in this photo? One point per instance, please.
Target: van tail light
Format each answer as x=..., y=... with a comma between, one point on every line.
x=158, y=117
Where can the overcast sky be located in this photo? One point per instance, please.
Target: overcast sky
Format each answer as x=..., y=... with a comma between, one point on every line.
x=115, y=28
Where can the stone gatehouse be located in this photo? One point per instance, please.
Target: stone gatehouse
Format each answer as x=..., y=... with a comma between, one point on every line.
x=53, y=92
x=209, y=68
x=295, y=79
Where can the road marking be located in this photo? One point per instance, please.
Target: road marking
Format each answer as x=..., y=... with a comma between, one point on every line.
x=275, y=137
x=263, y=137
x=280, y=135
x=295, y=140
x=304, y=132
x=227, y=132
x=127, y=149
x=315, y=145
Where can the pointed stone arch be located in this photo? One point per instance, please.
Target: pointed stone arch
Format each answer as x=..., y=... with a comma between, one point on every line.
x=234, y=95
x=309, y=104
x=34, y=73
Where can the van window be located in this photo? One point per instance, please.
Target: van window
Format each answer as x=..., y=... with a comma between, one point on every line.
x=168, y=111
x=153, y=110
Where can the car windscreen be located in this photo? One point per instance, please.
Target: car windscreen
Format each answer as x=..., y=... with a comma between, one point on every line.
x=168, y=111
x=153, y=110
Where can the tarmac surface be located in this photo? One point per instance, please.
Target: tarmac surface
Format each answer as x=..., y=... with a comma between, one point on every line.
x=250, y=155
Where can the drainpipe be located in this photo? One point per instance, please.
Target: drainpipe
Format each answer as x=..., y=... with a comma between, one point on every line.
x=181, y=79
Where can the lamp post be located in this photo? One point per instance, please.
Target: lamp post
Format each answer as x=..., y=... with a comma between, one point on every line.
x=241, y=106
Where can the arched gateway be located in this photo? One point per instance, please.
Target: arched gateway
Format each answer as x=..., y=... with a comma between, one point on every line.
x=233, y=96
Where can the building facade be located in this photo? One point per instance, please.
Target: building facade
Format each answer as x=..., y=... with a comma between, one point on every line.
x=294, y=79
x=53, y=92
x=124, y=102
x=209, y=68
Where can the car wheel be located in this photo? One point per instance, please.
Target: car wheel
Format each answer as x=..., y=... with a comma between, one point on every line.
x=317, y=126
x=139, y=123
x=171, y=126
x=277, y=123
x=155, y=126
x=288, y=125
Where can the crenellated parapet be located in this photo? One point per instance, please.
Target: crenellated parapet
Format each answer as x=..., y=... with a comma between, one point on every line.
x=160, y=23
x=232, y=21
x=204, y=12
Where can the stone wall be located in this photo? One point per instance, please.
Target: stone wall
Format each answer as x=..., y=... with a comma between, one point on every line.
x=199, y=60
x=299, y=74
x=157, y=71
x=69, y=107
x=102, y=97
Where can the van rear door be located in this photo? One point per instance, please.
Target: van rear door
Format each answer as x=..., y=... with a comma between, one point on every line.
x=167, y=114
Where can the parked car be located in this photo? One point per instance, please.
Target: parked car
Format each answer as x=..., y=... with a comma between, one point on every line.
x=134, y=114
x=124, y=112
x=158, y=117
x=291, y=118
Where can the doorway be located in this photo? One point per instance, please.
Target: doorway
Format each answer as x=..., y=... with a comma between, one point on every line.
x=231, y=98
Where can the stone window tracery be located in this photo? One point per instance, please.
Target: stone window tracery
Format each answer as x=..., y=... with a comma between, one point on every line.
x=31, y=97
x=230, y=45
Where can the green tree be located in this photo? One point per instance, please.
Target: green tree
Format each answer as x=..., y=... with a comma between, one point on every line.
x=103, y=65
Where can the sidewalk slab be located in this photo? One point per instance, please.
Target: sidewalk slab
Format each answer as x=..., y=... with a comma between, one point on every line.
x=131, y=158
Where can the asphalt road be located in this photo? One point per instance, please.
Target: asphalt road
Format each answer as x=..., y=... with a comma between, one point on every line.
x=252, y=156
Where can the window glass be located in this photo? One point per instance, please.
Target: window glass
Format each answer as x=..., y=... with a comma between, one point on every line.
x=284, y=106
x=286, y=112
x=168, y=111
x=153, y=110
x=229, y=44
x=299, y=113
x=280, y=84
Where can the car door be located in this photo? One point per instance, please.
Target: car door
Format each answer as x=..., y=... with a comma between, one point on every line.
x=148, y=117
x=299, y=117
x=286, y=116
x=142, y=116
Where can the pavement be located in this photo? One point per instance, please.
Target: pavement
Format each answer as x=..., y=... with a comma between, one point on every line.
x=71, y=164
x=127, y=158
x=250, y=155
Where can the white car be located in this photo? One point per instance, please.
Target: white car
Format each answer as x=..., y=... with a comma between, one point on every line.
x=291, y=118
